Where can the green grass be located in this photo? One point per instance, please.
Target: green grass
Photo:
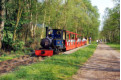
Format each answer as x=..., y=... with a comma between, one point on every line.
x=57, y=67
x=9, y=57
x=114, y=45
x=13, y=54
x=5, y=58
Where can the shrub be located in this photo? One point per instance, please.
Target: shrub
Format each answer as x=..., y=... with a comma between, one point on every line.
x=7, y=41
x=9, y=44
x=18, y=45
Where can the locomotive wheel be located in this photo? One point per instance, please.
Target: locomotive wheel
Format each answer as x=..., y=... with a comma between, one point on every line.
x=56, y=51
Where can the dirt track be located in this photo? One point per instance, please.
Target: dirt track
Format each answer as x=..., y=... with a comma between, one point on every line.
x=10, y=65
x=103, y=65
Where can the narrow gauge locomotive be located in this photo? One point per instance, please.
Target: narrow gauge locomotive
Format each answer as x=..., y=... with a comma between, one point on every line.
x=58, y=40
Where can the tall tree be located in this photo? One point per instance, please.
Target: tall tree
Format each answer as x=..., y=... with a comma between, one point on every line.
x=19, y=13
x=111, y=29
x=2, y=21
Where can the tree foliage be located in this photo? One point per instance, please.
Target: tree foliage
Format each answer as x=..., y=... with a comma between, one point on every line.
x=26, y=19
x=111, y=29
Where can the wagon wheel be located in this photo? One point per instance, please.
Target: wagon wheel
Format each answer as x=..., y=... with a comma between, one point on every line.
x=64, y=50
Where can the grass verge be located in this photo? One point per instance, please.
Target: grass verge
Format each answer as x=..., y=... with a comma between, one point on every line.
x=114, y=45
x=13, y=54
x=5, y=57
x=57, y=67
x=9, y=57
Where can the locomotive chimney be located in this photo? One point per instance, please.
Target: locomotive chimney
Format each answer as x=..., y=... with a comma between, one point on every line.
x=46, y=31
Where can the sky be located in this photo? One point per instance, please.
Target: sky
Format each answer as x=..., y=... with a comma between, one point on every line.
x=102, y=5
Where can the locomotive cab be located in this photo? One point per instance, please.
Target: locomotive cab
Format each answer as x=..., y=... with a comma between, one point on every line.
x=58, y=39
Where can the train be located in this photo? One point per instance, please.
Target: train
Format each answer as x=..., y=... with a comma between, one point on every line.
x=58, y=40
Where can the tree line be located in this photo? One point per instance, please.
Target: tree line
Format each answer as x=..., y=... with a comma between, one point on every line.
x=23, y=22
x=111, y=28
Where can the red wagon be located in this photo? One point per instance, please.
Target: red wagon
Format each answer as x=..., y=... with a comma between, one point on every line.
x=73, y=41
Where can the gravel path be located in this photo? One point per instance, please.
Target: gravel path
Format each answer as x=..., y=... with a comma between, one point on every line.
x=103, y=65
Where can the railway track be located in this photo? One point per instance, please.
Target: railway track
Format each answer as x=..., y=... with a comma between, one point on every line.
x=10, y=65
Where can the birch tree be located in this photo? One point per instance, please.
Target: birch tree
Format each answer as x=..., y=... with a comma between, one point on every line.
x=2, y=19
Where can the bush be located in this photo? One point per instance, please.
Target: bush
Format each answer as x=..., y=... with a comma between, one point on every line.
x=18, y=45
x=7, y=41
x=9, y=44
x=29, y=42
x=12, y=52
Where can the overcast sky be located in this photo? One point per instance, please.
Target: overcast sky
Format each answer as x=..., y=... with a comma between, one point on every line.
x=102, y=5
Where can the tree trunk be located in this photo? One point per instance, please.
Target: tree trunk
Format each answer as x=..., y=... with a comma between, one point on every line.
x=49, y=21
x=31, y=25
x=36, y=21
x=18, y=19
x=2, y=13
x=77, y=27
x=43, y=24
